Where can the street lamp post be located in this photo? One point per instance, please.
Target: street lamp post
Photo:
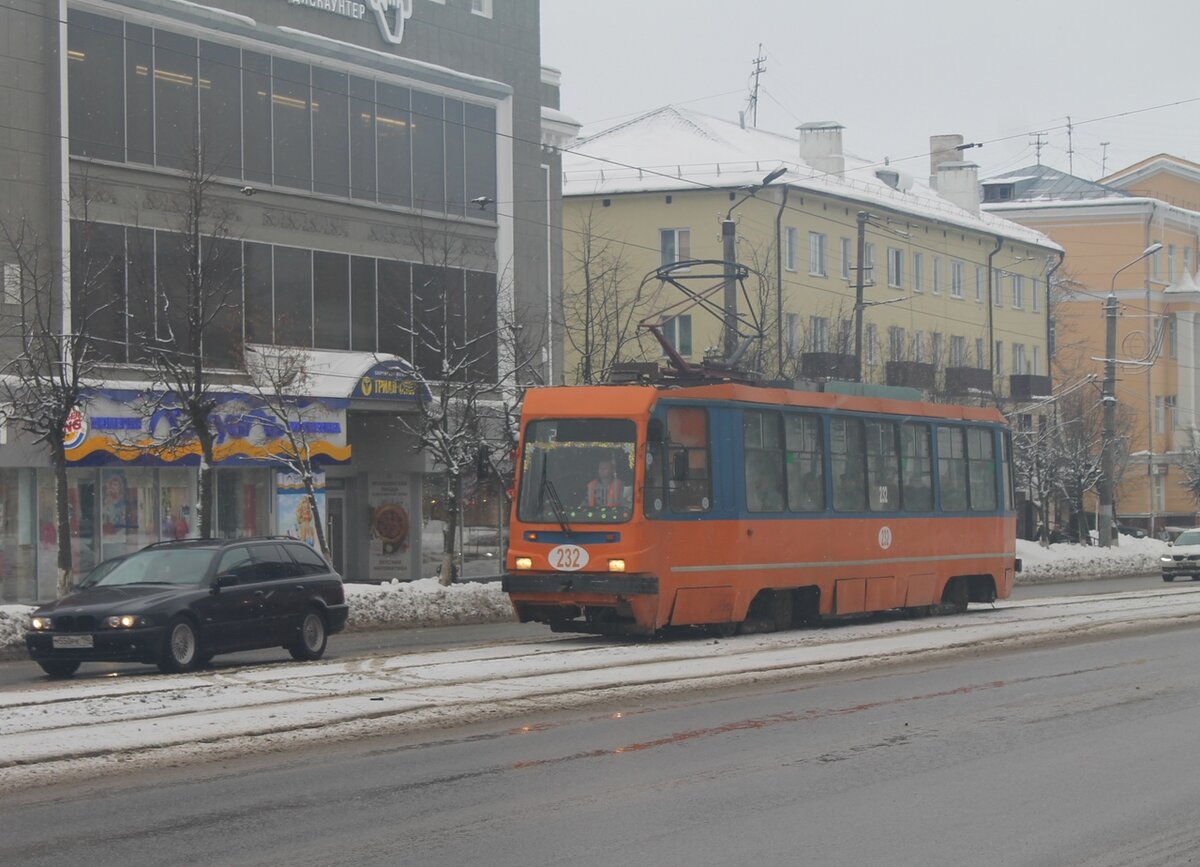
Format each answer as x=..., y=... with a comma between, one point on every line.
x=1104, y=520
x=729, y=252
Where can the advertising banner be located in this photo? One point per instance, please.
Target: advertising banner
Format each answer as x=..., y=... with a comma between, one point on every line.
x=293, y=512
x=390, y=499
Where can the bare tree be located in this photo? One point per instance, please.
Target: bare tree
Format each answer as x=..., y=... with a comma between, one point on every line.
x=1189, y=462
x=196, y=313
x=281, y=379
x=602, y=304
x=56, y=347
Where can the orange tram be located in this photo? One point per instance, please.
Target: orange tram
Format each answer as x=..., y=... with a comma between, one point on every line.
x=744, y=508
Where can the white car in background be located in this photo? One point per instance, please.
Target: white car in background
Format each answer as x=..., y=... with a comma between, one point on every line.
x=1183, y=560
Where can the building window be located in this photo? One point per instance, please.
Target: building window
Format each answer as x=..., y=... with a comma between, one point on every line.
x=792, y=331
x=1170, y=263
x=1160, y=494
x=979, y=283
x=958, y=351
x=790, y=250
x=998, y=360
x=1156, y=264
x=979, y=357
x=481, y=7
x=935, y=348
x=675, y=244
x=1172, y=332
x=1018, y=359
x=845, y=337
x=869, y=263
x=818, y=334
x=816, y=254
x=997, y=287
x=895, y=266
x=1018, y=291
x=956, y=279
x=918, y=345
x=895, y=343
x=936, y=275
x=871, y=340
x=918, y=272
x=679, y=333
x=1187, y=259
x=1035, y=295
x=846, y=258
x=12, y=283
x=1037, y=360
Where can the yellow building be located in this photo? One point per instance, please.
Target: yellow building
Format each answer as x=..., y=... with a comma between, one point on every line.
x=954, y=300
x=1104, y=227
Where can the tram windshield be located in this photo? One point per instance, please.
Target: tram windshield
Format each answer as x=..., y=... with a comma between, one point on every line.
x=577, y=471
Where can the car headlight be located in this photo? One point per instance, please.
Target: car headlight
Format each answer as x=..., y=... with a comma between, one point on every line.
x=40, y=623
x=125, y=621
x=1166, y=559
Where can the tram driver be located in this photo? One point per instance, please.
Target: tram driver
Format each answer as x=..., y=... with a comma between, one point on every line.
x=606, y=490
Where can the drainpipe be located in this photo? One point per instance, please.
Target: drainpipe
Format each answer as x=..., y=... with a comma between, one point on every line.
x=1150, y=373
x=992, y=312
x=779, y=276
x=1049, y=319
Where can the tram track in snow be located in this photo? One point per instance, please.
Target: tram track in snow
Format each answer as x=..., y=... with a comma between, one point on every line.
x=47, y=730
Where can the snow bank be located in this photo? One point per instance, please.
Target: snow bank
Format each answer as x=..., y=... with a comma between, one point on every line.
x=428, y=603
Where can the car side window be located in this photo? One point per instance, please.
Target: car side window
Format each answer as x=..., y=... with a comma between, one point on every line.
x=275, y=563
x=237, y=561
x=309, y=560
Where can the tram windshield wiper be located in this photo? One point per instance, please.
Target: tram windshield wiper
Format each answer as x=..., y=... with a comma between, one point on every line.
x=560, y=511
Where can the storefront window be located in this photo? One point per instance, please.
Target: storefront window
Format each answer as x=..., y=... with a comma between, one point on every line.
x=177, y=493
x=242, y=503
x=128, y=513
x=81, y=510
x=17, y=578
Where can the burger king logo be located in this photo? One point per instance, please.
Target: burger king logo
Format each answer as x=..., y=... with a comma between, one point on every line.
x=75, y=430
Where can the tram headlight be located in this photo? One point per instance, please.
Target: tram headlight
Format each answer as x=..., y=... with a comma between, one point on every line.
x=616, y=565
x=524, y=563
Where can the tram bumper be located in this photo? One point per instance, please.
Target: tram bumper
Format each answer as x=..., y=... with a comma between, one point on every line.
x=600, y=603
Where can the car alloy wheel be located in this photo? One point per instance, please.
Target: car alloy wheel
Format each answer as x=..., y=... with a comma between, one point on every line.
x=182, y=649
x=310, y=645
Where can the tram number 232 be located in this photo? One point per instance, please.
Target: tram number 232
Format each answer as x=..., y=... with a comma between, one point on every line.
x=568, y=558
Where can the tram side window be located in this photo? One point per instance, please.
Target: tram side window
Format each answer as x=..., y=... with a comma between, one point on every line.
x=805, y=463
x=1010, y=500
x=952, y=468
x=883, y=467
x=981, y=457
x=847, y=460
x=690, y=487
x=916, y=468
x=654, y=496
x=762, y=444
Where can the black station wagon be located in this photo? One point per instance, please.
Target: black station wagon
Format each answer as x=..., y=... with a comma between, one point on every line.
x=178, y=604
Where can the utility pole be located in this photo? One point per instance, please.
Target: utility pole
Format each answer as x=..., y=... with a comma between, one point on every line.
x=863, y=216
x=1070, y=146
x=729, y=243
x=759, y=69
x=1104, y=520
x=1038, y=144
x=1104, y=158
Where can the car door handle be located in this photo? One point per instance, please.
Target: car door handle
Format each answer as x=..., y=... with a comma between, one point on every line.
x=260, y=593
x=299, y=587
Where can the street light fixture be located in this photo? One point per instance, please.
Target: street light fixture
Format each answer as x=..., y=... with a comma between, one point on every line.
x=1104, y=520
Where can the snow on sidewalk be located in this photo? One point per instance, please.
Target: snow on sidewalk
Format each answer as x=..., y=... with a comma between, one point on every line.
x=82, y=728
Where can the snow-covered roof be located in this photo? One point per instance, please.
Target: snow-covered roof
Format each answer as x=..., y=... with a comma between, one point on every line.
x=1041, y=182
x=674, y=148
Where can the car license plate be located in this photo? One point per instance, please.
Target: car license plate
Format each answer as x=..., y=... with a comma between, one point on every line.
x=72, y=641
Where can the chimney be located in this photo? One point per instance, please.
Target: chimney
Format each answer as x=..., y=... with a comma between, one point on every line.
x=958, y=183
x=942, y=149
x=821, y=146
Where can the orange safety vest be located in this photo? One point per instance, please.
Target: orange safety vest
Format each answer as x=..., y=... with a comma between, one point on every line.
x=611, y=497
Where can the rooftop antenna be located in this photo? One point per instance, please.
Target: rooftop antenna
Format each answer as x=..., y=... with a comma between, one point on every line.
x=1038, y=144
x=1104, y=158
x=1070, y=146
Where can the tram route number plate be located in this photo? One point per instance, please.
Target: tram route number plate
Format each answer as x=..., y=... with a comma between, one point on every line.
x=65, y=641
x=568, y=558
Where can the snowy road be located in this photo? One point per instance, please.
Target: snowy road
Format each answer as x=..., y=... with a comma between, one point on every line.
x=84, y=728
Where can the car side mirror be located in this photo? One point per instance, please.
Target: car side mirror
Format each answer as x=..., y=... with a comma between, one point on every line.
x=225, y=579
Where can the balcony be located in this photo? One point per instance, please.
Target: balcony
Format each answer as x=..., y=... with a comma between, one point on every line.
x=827, y=365
x=912, y=374
x=1026, y=386
x=968, y=380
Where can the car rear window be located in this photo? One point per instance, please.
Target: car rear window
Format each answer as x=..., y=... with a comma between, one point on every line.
x=310, y=561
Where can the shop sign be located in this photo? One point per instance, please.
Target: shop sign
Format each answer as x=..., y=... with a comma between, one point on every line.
x=391, y=380
x=390, y=15
x=75, y=430
x=131, y=426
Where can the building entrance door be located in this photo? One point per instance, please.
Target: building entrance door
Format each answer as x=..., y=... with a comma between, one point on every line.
x=335, y=528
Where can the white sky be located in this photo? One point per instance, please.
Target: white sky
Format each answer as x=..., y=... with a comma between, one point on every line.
x=894, y=74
